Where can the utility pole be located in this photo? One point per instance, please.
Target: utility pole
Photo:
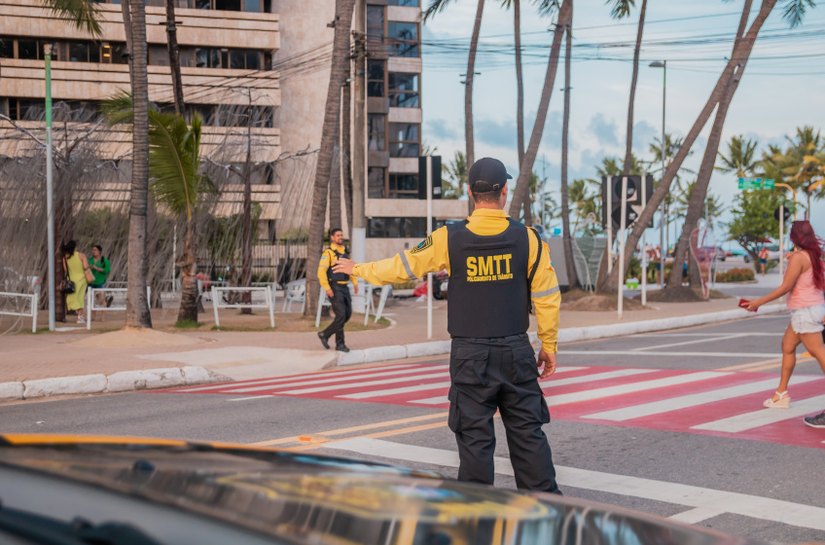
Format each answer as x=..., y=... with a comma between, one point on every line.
x=358, y=236
x=47, y=49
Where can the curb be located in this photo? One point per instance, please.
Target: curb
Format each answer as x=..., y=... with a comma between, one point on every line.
x=115, y=382
x=573, y=334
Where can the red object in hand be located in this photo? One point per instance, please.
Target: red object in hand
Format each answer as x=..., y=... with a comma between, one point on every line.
x=744, y=303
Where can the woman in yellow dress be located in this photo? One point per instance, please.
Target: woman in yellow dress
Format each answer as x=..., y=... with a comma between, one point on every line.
x=77, y=269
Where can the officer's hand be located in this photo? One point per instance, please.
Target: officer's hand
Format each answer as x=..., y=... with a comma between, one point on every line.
x=355, y=289
x=343, y=265
x=329, y=293
x=548, y=360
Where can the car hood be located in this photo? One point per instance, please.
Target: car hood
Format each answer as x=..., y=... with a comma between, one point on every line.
x=295, y=495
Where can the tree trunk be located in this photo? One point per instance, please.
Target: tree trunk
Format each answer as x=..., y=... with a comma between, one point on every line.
x=335, y=189
x=526, y=167
x=742, y=50
x=338, y=74
x=188, y=311
x=246, y=235
x=127, y=27
x=628, y=152
x=565, y=133
x=346, y=146
x=174, y=56
x=469, y=138
x=519, y=81
x=137, y=304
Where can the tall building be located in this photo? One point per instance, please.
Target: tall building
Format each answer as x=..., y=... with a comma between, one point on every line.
x=226, y=51
x=386, y=110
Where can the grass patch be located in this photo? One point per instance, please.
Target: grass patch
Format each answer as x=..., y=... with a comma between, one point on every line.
x=300, y=324
x=187, y=324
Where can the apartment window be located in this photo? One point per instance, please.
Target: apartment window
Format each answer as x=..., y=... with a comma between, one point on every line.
x=376, y=182
x=6, y=48
x=405, y=3
x=404, y=140
x=244, y=59
x=25, y=109
x=375, y=78
x=377, y=132
x=375, y=25
x=403, y=38
x=232, y=5
x=29, y=49
x=403, y=90
x=396, y=227
x=403, y=186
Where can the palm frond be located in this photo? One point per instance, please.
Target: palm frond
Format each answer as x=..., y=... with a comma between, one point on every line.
x=619, y=9
x=794, y=11
x=83, y=13
x=174, y=150
x=435, y=7
x=547, y=7
x=118, y=108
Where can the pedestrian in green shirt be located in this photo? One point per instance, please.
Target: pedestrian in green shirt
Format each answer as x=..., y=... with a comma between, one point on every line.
x=101, y=267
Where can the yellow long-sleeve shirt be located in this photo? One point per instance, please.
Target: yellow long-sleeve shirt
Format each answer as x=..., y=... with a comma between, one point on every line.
x=328, y=259
x=432, y=255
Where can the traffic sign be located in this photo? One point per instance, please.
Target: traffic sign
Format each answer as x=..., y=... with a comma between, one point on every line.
x=757, y=183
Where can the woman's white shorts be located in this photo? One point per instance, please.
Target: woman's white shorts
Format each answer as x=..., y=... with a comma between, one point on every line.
x=808, y=319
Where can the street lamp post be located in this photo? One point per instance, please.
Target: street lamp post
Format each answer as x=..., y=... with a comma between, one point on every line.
x=47, y=50
x=663, y=212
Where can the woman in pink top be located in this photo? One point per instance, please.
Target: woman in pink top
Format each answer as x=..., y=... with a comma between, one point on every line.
x=805, y=281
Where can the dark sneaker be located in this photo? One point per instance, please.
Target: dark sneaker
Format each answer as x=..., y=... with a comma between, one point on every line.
x=342, y=348
x=323, y=340
x=816, y=421
x=109, y=299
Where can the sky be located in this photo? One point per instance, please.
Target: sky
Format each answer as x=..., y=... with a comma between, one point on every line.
x=783, y=86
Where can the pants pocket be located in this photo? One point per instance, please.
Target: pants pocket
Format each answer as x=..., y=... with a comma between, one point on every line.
x=454, y=416
x=468, y=364
x=524, y=365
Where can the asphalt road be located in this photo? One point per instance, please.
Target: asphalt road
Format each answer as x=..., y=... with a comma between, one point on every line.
x=669, y=423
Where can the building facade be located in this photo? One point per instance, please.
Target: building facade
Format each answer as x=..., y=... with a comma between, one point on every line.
x=226, y=51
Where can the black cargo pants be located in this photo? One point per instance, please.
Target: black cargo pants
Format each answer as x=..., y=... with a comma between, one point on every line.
x=342, y=306
x=499, y=373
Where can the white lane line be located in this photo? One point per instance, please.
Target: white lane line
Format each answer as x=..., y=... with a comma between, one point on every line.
x=424, y=388
x=698, y=514
x=668, y=354
x=598, y=393
x=301, y=391
x=708, y=499
x=321, y=380
x=395, y=391
x=692, y=400
x=763, y=417
x=280, y=380
x=709, y=335
x=249, y=398
x=694, y=341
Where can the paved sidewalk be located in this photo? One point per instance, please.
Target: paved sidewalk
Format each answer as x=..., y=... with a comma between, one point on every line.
x=36, y=365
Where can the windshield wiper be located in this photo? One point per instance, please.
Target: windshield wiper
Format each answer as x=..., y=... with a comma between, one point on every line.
x=51, y=531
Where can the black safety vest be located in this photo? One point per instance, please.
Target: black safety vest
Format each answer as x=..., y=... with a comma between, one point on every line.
x=334, y=276
x=489, y=292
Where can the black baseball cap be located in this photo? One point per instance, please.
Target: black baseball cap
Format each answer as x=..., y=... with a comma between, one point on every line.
x=487, y=174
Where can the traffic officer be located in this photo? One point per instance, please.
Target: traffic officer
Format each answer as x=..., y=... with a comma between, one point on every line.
x=336, y=286
x=497, y=267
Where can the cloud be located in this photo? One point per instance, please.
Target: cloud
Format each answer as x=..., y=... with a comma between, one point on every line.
x=441, y=129
x=496, y=133
x=643, y=135
x=606, y=131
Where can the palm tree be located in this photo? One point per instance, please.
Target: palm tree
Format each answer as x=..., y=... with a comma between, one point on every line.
x=456, y=176
x=565, y=13
x=174, y=161
x=620, y=9
x=174, y=55
x=741, y=51
x=793, y=13
x=741, y=157
x=339, y=71
x=83, y=14
x=137, y=303
x=567, y=238
x=435, y=7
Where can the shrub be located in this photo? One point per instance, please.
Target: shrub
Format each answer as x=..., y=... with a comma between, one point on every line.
x=735, y=275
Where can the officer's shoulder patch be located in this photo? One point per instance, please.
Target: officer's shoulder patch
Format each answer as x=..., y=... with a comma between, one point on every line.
x=423, y=245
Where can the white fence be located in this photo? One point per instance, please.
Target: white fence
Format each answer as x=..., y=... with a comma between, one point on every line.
x=369, y=304
x=33, y=299
x=91, y=301
x=218, y=302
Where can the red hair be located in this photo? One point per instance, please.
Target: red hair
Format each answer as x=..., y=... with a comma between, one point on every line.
x=803, y=236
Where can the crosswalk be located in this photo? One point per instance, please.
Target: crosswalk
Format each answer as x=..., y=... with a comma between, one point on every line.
x=722, y=403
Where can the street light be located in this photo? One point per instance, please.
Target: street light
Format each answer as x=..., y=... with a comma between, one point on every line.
x=663, y=220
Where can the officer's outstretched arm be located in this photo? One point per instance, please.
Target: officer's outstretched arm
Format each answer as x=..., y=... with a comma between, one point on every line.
x=430, y=255
x=544, y=291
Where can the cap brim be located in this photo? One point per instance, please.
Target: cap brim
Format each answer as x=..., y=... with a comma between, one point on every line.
x=508, y=176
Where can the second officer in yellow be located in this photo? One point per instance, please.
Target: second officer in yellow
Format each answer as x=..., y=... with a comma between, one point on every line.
x=336, y=286
x=498, y=268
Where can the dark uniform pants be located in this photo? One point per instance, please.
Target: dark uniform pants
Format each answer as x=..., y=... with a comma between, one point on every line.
x=342, y=306
x=499, y=373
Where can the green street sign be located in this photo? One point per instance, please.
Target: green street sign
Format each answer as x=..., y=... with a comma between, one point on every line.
x=756, y=183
